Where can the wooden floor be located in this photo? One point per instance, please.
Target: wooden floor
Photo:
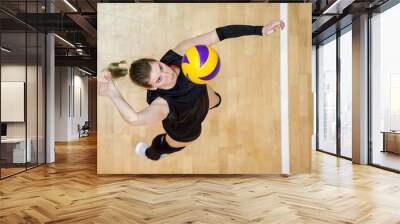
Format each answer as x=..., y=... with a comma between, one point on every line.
x=10, y=171
x=70, y=191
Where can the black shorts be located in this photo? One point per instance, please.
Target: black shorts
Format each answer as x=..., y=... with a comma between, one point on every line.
x=185, y=134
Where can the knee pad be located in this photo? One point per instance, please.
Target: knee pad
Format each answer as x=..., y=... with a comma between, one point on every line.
x=166, y=147
x=158, y=141
x=160, y=146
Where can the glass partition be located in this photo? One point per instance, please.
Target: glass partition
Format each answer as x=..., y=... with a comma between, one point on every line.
x=22, y=77
x=346, y=94
x=385, y=89
x=13, y=96
x=327, y=96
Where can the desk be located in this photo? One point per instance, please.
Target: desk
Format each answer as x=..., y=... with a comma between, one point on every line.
x=391, y=141
x=18, y=151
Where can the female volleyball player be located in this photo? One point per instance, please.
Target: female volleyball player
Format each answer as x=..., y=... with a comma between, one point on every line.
x=180, y=104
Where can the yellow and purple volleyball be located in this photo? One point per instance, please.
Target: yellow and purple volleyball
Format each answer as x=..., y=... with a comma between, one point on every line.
x=200, y=64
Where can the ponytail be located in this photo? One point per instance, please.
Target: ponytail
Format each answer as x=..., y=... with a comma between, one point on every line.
x=139, y=71
x=117, y=71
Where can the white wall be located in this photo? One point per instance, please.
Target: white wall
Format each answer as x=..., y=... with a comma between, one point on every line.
x=16, y=73
x=62, y=81
x=70, y=83
x=79, y=115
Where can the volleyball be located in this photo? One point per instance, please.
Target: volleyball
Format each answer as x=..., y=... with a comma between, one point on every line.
x=200, y=64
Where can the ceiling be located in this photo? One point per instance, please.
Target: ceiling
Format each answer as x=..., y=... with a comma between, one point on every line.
x=76, y=23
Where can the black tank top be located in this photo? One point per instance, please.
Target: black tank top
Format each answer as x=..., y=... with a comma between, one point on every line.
x=188, y=102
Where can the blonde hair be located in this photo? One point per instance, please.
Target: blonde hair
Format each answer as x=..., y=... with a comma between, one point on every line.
x=117, y=71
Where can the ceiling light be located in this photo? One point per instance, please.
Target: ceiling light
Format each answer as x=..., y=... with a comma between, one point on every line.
x=70, y=5
x=338, y=6
x=86, y=72
x=64, y=40
x=5, y=49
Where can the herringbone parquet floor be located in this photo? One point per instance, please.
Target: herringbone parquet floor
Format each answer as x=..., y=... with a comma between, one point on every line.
x=69, y=191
